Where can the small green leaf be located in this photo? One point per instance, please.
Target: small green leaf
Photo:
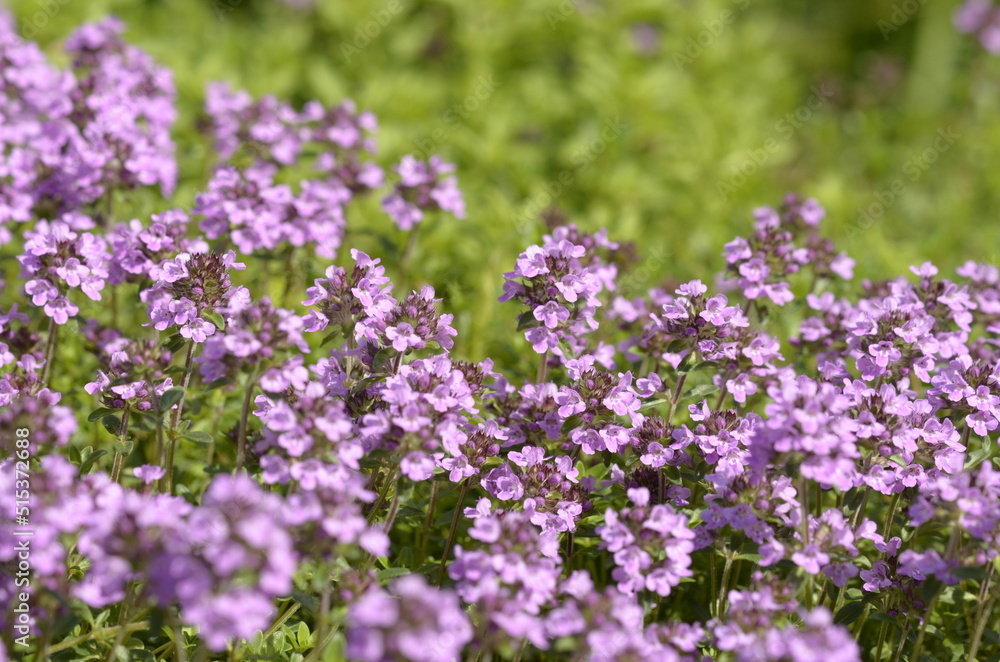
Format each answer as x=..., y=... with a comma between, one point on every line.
x=216, y=383
x=383, y=356
x=112, y=424
x=91, y=459
x=974, y=573
x=124, y=447
x=898, y=459
x=684, y=367
x=330, y=337
x=677, y=345
x=391, y=573
x=652, y=403
x=174, y=342
x=100, y=412
x=849, y=613
x=303, y=636
x=215, y=318
x=198, y=437
x=527, y=321
x=700, y=391
x=171, y=398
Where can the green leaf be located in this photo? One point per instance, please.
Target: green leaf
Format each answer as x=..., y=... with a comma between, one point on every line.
x=849, y=613
x=684, y=367
x=174, y=342
x=975, y=573
x=652, y=403
x=527, y=321
x=124, y=447
x=677, y=345
x=391, y=573
x=216, y=383
x=170, y=398
x=198, y=437
x=100, y=412
x=330, y=337
x=383, y=356
x=112, y=424
x=91, y=459
x=302, y=636
x=898, y=459
x=215, y=318
x=700, y=391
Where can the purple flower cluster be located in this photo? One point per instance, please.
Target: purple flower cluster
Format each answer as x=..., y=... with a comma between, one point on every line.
x=191, y=287
x=559, y=281
x=256, y=214
x=57, y=259
x=73, y=137
x=784, y=242
x=651, y=545
x=410, y=621
x=421, y=189
x=982, y=19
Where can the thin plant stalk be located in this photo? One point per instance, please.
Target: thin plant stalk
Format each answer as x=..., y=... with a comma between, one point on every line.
x=50, y=351
x=241, y=438
x=116, y=468
x=428, y=523
x=451, y=532
x=983, y=614
x=543, y=368
x=175, y=417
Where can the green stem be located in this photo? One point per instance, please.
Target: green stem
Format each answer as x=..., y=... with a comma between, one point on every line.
x=175, y=417
x=116, y=468
x=804, y=504
x=881, y=641
x=50, y=352
x=393, y=510
x=724, y=584
x=543, y=368
x=675, y=398
x=411, y=244
x=428, y=523
x=383, y=493
x=159, y=442
x=122, y=616
x=714, y=605
x=902, y=642
x=451, y=532
x=982, y=616
x=918, y=645
x=887, y=529
x=324, y=610
x=98, y=634
x=241, y=437
x=288, y=613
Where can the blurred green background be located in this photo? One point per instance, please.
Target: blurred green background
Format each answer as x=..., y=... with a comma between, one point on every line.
x=836, y=100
